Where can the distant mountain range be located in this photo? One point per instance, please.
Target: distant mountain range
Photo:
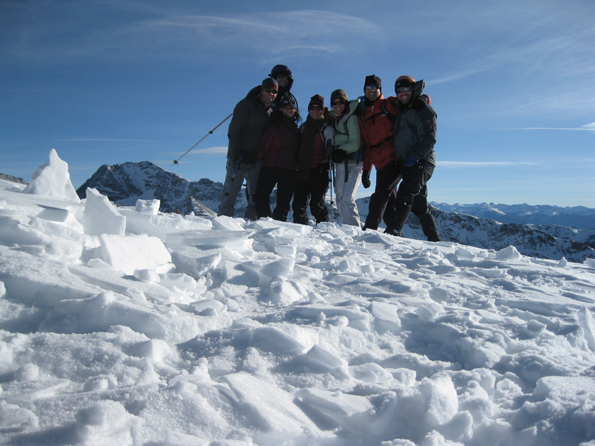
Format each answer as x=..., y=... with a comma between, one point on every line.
x=528, y=228
x=576, y=217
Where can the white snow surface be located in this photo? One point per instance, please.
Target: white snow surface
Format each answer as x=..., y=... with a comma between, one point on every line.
x=173, y=330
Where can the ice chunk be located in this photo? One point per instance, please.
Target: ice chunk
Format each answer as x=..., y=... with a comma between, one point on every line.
x=127, y=254
x=585, y=320
x=107, y=422
x=509, y=253
x=52, y=179
x=150, y=207
x=441, y=400
x=101, y=217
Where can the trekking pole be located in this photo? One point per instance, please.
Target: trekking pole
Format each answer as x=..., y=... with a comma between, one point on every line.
x=332, y=179
x=215, y=128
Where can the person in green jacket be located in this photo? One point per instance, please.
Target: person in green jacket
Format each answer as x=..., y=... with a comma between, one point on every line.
x=348, y=156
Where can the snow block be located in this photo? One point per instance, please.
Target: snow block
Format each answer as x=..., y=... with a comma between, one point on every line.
x=100, y=216
x=131, y=253
x=150, y=207
x=52, y=179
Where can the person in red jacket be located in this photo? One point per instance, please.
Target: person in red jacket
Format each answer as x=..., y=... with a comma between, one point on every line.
x=278, y=149
x=377, y=128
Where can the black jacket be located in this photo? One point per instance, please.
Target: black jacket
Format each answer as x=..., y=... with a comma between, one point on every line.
x=250, y=118
x=415, y=130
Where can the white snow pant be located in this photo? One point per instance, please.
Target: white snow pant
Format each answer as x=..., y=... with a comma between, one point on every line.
x=233, y=184
x=345, y=192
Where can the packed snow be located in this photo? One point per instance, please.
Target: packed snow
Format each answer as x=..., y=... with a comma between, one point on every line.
x=127, y=326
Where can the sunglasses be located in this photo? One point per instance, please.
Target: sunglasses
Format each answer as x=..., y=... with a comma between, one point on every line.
x=403, y=90
x=315, y=107
x=271, y=91
x=338, y=102
x=371, y=87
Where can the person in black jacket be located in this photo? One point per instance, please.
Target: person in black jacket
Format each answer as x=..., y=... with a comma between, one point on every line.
x=278, y=149
x=284, y=77
x=414, y=140
x=250, y=118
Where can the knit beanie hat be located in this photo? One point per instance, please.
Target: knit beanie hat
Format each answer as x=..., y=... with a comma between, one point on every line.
x=270, y=83
x=339, y=94
x=316, y=100
x=404, y=81
x=287, y=101
x=373, y=80
x=281, y=69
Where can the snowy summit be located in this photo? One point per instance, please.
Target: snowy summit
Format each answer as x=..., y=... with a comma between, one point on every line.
x=129, y=326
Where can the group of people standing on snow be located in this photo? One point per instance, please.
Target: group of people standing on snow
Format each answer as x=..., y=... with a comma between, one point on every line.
x=268, y=147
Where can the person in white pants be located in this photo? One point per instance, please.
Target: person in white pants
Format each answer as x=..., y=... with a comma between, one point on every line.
x=347, y=156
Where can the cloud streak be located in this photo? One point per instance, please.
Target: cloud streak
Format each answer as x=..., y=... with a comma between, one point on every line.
x=473, y=164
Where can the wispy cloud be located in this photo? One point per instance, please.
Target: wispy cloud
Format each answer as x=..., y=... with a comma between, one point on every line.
x=208, y=151
x=583, y=128
x=473, y=164
x=555, y=97
x=166, y=33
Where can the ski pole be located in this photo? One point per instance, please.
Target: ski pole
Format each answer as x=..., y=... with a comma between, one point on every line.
x=215, y=128
x=332, y=179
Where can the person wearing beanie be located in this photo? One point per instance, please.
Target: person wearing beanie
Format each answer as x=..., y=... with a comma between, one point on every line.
x=283, y=75
x=414, y=141
x=313, y=164
x=377, y=128
x=278, y=149
x=347, y=156
x=250, y=118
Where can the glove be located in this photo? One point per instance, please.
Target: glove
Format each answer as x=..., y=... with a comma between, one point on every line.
x=410, y=161
x=366, y=179
x=421, y=102
x=338, y=156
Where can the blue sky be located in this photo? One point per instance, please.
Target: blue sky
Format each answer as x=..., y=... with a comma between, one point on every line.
x=106, y=82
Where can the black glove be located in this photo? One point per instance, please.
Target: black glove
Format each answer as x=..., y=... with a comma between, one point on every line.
x=421, y=102
x=338, y=156
x=366, y=179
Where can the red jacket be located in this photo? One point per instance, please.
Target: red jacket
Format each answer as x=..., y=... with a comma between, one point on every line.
x=377, y=131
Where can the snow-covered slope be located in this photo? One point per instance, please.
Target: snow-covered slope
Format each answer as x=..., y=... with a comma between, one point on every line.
x=126, y=326
x=125, y=183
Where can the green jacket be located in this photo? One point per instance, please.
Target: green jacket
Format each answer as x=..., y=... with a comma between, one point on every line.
x=347, y=132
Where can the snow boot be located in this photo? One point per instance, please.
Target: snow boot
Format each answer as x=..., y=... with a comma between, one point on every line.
x=398, y=222
x=428, y=225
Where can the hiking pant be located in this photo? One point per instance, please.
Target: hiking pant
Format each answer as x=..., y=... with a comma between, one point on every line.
x=234, y=179
x=382, y=202
x=285, y=180
x=412, y=195
x=312, y=192
x=348, y=176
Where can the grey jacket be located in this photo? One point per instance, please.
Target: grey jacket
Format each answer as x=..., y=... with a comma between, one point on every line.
x=415, y=130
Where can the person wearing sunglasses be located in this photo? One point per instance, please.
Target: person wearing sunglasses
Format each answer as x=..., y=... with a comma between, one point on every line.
x=250, y=118
x=284, y=77
x=414, y=141
x=313, y=164
x=278, y=149
x=347, y=157
x=377, y=128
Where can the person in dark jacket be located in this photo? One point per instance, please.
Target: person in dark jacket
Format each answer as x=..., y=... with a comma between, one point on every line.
x=313, y=164
x=414, y=140
x=284, y=77
x=250, y=118
x=377, y=129
x=278, y=149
